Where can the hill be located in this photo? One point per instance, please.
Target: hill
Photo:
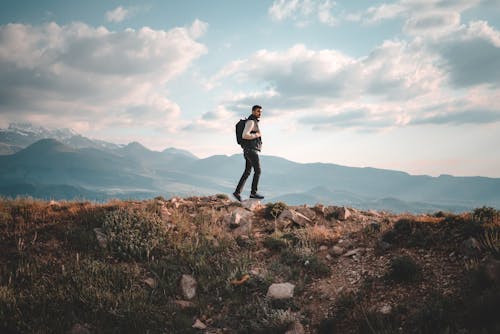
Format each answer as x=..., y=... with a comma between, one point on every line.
x=211, y=265
x=133, y=171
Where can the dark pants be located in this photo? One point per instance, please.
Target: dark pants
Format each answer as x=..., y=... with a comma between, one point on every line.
x=251, y=160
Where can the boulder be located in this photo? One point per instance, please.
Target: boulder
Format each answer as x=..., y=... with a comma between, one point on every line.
x=280, y=291
x=199, y=325
x=337, y=250
x=188, y=286
x=308, y=212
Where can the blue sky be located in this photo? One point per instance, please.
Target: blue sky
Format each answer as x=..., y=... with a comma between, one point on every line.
x=406, y=85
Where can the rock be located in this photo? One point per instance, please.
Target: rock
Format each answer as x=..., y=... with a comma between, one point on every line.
x=280, y=291
x=343, y=213
x=373, y=227
x=323, y=248
x=295, y=328
x=382, y=245
x=79, y=329
x=199, y=325
x=336, y=250
x=251, y=204
x=295, y=217
x=386, y=309
x=102, y=238
x=307, y=212
x=240, y=220
x=471, y=247
x=357, y=251
x=188, y=286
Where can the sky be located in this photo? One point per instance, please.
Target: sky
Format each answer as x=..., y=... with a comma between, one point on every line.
x=409, y=85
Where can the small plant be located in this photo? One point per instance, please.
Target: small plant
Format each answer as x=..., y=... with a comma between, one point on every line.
x=133, y=233
x=404, y=269
x=484, y=215
x=274, y=210
x=222, y=196
x=275, y=242
x=490, y=241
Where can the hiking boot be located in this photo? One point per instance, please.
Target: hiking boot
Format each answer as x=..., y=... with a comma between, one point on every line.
x=237, y=196
x=256, y=196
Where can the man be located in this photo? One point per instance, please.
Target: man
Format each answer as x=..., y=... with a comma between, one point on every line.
x=251, y=144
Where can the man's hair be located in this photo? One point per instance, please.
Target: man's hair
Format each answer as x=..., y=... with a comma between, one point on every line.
x=255, y=107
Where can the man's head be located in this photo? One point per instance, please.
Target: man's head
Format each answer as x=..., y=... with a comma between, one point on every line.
x=257, y=111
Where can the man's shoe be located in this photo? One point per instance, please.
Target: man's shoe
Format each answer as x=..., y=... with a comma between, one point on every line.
x=237, y=196
x=256, y=196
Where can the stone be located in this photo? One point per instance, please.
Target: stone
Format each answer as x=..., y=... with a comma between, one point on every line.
x=323, y=248
x=386, y=309
x=188, y=286
x=471, y=247
x=295, y=217
x=199, y=325
x=295, y=328
x=343, y=213
x=337, y=250
x=357, y=251
x=280, y=291
x=238, y=217
x=307, y=212
x=101, y=237
x=382, y=245
x=251, y=204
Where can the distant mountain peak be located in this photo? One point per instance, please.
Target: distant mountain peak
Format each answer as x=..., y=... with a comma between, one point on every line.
x=26, y=128
x=173, y=150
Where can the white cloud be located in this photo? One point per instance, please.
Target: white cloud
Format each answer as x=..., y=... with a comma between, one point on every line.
x=398, y=83
x=303, y=11
x=117, y=15
x=78, y=73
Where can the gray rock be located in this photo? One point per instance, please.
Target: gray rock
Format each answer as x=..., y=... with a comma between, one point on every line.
x=336, y=250
x=343, y=213
x=386, y=309
x=308, y=212
x=280, y=291
x=471, y=247
x=294, y=216
x=251, y=204
x=188, y=286
x=101, y=237
x=357, y=251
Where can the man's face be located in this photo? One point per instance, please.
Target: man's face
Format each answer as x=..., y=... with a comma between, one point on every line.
x=257, y=112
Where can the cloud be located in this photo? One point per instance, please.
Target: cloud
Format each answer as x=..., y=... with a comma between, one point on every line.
x=303, y=10
x=393, y=85
x=472, y=55
x=79, y=73
x=117, y=15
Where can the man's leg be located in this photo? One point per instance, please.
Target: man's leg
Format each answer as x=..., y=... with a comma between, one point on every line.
x=253, y=156
x=246, y=174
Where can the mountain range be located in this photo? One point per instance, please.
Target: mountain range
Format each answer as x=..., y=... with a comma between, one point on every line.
x=61, y=164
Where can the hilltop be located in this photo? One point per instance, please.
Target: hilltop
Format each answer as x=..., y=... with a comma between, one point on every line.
x=212, y=265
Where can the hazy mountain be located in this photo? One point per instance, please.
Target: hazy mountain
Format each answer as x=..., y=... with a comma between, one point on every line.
x=20, y=135
x=133, y=171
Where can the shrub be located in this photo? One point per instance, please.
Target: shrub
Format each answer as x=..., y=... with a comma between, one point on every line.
x=273, y=210
x=133, y=233
x=404, y=269
x=485, y=214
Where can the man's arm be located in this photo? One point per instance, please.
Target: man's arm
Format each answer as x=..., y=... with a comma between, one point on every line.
x=249, y=125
